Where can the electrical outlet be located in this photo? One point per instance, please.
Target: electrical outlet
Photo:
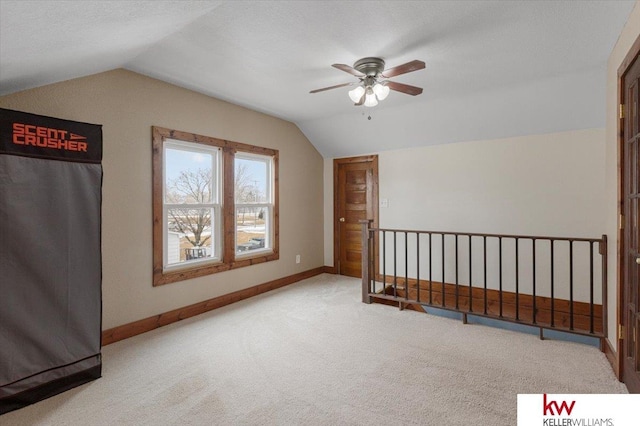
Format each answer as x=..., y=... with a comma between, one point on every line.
x=297, y=258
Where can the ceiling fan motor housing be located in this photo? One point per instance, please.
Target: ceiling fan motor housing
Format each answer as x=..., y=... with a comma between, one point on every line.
x=371, y=67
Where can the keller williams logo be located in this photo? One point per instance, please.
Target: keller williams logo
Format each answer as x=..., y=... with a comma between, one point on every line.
x=47, y=137
x=548, y=407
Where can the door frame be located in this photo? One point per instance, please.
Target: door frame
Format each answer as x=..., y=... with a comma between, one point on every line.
x=631, y=55
x=336, y=214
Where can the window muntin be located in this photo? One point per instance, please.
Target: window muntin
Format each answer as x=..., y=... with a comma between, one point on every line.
x=191, y=204
x=253, y=182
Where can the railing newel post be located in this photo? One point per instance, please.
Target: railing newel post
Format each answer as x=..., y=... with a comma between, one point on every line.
x=605, y=279
x=591, y=308
x=366, y=246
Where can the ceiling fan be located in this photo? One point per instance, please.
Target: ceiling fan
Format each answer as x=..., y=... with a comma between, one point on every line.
x=373, y=84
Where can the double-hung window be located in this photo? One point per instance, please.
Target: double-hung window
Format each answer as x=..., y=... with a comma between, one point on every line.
x=215, y=205
x=191, y=204
x=253, y=203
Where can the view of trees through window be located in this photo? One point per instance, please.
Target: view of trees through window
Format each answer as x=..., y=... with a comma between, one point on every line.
x=252, y=199
x=191, y=200
x=193, y=207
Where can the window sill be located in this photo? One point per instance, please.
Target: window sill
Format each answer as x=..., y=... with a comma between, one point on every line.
x=191, y=264
x=161, y=277
x=253, y=253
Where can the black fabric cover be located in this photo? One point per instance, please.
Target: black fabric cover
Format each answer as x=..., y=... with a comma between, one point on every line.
x=50, y=258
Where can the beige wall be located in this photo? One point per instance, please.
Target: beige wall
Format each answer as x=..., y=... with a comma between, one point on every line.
x=548, y=184
x=629, y=34
x=127, y=105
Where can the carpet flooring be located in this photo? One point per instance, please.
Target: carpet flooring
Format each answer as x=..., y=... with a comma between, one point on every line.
x=313, y=354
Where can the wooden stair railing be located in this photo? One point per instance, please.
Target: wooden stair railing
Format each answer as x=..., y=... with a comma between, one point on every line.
x=489, y=296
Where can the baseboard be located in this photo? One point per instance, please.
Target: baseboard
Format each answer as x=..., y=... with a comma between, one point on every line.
x=612, y=356
x=125, y=331
x=330, y=270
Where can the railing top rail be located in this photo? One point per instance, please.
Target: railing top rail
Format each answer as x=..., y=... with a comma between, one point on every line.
x=474, y=234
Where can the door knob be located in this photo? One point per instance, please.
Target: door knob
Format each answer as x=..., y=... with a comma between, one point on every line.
x=342, y=219
x=638, y=260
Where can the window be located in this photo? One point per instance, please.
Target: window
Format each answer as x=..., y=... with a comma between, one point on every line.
x=214, y=205
x=254, y=203
x=191, y=208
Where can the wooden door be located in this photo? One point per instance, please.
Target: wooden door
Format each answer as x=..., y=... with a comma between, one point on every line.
x=355, y=199
x=631, y=229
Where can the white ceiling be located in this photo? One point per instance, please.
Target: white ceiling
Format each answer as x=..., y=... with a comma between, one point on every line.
x=494, y=68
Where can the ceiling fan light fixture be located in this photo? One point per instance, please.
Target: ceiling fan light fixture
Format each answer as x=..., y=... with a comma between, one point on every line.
x=381, y=91
x=370, y=99
x=356, y=94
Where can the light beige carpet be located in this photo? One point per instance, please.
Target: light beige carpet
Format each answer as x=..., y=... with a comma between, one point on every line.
x=312, y=354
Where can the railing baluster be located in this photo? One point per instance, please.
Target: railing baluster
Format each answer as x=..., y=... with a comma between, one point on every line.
x=500, y=272
x=373, y=259
x=470, y=277
x=484, y=244
x=571, y=285
x=517, y=281
x=457, y=282
x=552, y=285
x=430, y=271
x=395, y=266
x=533, y=248
x=406, y=266
x=443, y=290
x=418, y=266
x=384, y=261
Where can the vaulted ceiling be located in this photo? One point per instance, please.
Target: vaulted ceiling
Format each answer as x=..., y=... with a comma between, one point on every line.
x=493, y=68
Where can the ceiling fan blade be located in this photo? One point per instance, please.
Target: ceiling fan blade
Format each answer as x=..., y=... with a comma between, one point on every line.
x=403, y=69
x=347, y=68
x=404, y=88
x=331, y=87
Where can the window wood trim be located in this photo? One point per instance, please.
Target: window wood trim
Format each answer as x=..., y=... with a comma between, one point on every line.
x=228, y=256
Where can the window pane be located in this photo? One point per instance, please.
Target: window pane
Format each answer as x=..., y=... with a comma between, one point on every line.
x=188, y=177
x=189, y=235
x=251, y=181
x=251, y=228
